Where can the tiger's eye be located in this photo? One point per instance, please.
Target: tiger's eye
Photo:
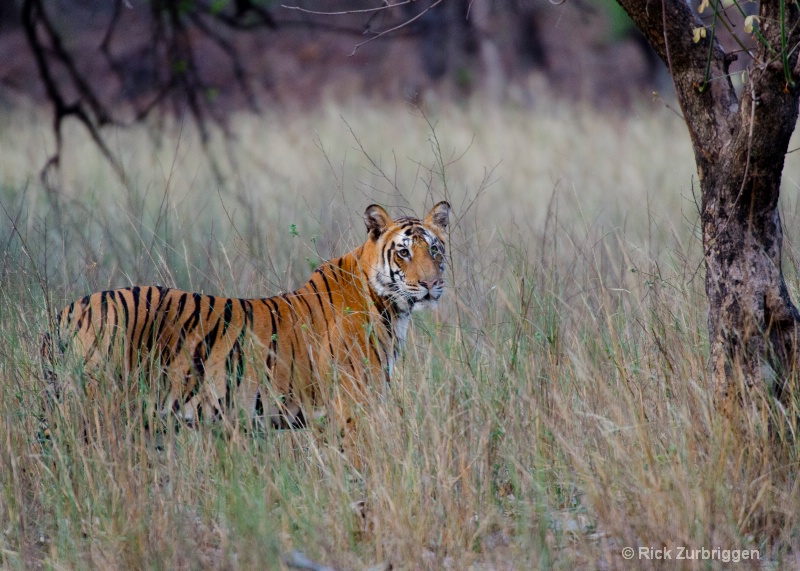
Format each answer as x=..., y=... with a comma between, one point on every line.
x=403, y=252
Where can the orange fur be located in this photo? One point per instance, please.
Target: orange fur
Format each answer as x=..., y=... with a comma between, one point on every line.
x=272, y=357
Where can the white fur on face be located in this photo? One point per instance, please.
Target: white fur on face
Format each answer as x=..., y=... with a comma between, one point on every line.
x=389, y=281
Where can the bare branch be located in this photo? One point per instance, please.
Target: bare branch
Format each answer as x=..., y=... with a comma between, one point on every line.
x=233, y=57
x=398, y=27
x=384, y=6
x=34, y=14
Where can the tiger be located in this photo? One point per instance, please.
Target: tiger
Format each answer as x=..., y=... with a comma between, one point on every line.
x=277, y=358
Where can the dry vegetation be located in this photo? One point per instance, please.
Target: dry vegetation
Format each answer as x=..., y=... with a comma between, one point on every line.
x=553, y=410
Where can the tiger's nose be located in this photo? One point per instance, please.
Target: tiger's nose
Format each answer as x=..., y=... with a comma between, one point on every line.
x=430, y=284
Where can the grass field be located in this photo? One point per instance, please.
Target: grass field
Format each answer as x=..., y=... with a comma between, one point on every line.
x=554, y=410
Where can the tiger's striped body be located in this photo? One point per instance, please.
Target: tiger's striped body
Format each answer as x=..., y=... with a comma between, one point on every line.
x=271, y=357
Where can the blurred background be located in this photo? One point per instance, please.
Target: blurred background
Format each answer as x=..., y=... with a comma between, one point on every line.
x=310, y=110
x=221, y=55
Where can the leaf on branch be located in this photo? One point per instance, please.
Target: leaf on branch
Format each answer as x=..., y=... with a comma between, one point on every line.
x=698, y=34
x=748, y=23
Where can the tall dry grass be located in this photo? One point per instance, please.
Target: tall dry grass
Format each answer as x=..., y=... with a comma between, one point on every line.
x=554, y=410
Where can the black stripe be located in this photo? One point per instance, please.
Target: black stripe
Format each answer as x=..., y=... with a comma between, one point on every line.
x=114, y=325
x=158, y=317
x=98, y=331
x=330, y=294
x=201, y=352
x=135, y=291
x=272, y=307
x=198, y=305
x=318, y=296
x=227, y=314
x=388, y=257
x=88, y=314
x=191, y=322
x=335, y=271
x=236, y=354
x=82, y=314
x=273, y=346
x=149, y=298
x=212, y=336
x=167, y=356
x=235, y=359
x=181, y=305
x=95, y=340
x=322, y=309
x=211, y=303
x=374, y=350
x=377, y=301
x=247, y=308
x=147, y=316
x=103, y=310
x=124, y=303
x=310, y=312
x=276, y=309
x=247, y=321
x=248, y=313
x=179, y=343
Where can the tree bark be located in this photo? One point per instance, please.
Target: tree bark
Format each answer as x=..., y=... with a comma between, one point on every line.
x=739, y=145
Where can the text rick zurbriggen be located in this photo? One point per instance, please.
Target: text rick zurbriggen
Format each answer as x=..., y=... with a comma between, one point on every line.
x=682, y=552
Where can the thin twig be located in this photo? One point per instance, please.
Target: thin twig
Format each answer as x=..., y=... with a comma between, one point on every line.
x=384, y=6
x=397, y=27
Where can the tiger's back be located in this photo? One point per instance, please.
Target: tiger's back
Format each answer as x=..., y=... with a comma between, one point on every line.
x=272, y=357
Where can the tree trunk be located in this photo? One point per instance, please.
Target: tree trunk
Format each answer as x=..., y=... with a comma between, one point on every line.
x=739, y=144
x=752, y=322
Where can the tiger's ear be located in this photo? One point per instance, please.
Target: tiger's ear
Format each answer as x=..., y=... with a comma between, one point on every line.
x=377, y=219
x=439, y=216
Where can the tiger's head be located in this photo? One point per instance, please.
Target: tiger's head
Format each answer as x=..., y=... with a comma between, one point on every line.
x=406, y=256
